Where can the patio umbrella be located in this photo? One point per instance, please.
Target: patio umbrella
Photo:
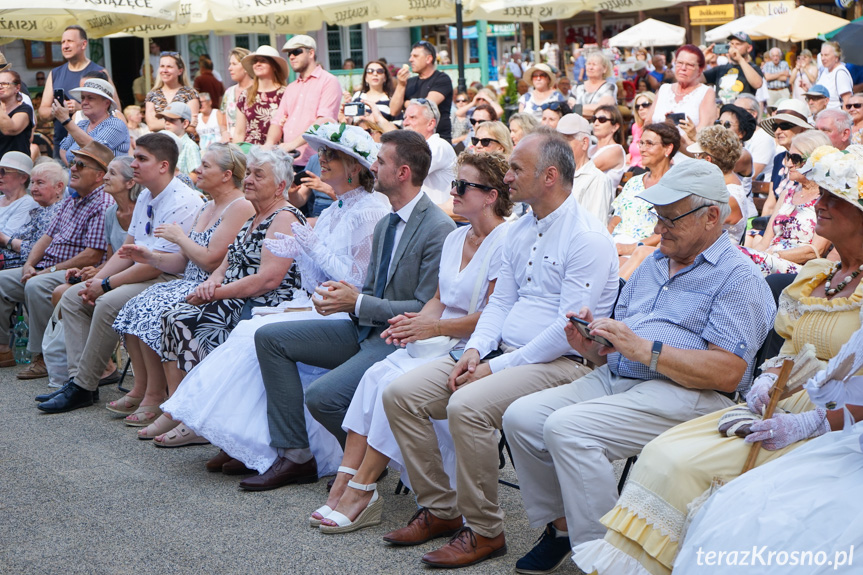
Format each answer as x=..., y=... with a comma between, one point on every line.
x=650, y=33
x=850, y=38
x=48, y=24
x=744, y=24
x=800, y=24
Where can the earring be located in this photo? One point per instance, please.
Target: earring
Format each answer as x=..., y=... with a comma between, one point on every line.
x=350, y=180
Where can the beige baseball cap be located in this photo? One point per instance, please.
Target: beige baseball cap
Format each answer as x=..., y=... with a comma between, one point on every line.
x=300, y=41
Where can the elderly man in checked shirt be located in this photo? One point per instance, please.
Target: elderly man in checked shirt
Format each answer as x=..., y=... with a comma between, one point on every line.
x=686, y=329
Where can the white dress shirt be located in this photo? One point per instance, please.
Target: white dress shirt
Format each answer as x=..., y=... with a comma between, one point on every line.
x=593, y=191
x=404, y=215
x=563, y=262
x=176, y=204
x=442, y=170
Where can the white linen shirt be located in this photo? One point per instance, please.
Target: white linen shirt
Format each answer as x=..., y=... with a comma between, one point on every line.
x=563, y=262
x=176, y=204
x=593, y=190
x=438, y=183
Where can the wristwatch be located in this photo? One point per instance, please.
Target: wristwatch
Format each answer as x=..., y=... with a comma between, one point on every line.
x=53, y=269
x=654, y=355
x=106, y=285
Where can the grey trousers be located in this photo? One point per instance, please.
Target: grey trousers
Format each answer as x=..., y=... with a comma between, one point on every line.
x=90, y=339
x=36, y=295
x=330, y=344
x=564, y=440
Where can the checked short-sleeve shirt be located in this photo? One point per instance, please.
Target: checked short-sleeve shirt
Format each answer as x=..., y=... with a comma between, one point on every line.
x=79, y=224
x=719, y=299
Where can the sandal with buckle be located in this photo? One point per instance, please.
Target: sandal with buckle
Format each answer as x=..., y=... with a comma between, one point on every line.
x=325, y=510
x=369, y=516
x=125, y=405
x=180, y=436
x=152, y=411
x=162, y=425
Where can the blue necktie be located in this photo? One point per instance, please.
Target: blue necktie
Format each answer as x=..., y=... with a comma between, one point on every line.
x=383, y=268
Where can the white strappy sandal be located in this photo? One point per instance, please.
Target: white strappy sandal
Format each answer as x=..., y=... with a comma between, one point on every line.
x=325, y=510
x=369, y=516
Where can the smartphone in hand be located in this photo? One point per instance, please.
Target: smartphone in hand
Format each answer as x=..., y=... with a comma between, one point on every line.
x=582, y=328
x=676, y=117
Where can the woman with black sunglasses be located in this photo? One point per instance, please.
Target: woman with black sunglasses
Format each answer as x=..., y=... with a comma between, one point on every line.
x=789, y=241
x=640, y=114
x=608, y=154
x=854, y=106
x=492, y=137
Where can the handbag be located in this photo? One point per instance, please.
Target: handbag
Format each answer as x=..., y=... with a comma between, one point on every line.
x=54, y=351
x=440, y=345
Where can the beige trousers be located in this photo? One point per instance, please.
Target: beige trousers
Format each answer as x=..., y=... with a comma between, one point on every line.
x=474, y=412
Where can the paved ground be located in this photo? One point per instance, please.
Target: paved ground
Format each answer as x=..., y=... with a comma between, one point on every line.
x=80, y=494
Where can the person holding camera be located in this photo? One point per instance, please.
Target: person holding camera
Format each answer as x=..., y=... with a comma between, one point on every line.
x=377, y=87
x=738, y=76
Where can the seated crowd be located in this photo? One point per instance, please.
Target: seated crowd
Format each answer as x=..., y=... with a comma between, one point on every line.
x=317, y=292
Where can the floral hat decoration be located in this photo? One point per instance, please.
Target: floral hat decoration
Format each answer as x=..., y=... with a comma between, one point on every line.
x=350, y=140
x=840, y=172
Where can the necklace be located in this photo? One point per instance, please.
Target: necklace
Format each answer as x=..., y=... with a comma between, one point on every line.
x=474, y=239
x=848, y=279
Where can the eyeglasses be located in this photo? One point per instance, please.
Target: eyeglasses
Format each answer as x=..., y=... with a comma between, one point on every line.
x=484, y=141
x=669, y=222
x=796, y=159
x=602, y=119
x=784, y=126
x=813, y=98
x=461, y=186
x=726, y=124
x=295, y=51
x=375, y=71
x=642, y=105
x=81, y=165
x=646, y=144
x=148, y=228
x=555, y=106
x=854, y=105
x=8, y=84
x=461, y=101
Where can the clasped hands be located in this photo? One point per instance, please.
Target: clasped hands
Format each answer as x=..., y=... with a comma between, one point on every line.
x=335, y=297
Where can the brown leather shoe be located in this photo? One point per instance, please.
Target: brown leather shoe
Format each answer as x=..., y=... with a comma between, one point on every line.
x=36, y=370
x=236, y=467
x=7, y=358
x=282, y=472
x=466, y=548
x=423, y=527
x=215, y=464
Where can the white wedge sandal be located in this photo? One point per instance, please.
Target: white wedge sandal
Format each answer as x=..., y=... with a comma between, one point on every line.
x=369, y=516
x=325, y=510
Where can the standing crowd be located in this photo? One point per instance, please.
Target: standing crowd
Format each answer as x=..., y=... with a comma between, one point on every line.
x=326, y=282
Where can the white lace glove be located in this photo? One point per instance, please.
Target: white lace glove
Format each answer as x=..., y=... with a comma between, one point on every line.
x=784, y=429
x=284, y=246
x=758, y=395
x=305, y=236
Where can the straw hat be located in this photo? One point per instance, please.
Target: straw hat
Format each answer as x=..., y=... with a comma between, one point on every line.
x=266, y=52
x=544, y=68
x=350, y=140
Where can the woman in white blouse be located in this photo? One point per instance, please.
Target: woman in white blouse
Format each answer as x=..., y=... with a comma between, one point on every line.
x=16, y=203
x=469, y=264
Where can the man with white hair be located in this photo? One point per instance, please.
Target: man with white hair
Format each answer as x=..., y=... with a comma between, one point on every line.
x=761, y=146
x=837, y=124
x=591, y=186
x=422, y=116
x=777, y=74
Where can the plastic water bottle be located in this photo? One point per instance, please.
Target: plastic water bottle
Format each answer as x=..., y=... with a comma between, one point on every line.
x=22, y=336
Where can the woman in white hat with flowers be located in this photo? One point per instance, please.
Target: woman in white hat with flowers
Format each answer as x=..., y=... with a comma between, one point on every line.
x=223, y=398
x=818, y=312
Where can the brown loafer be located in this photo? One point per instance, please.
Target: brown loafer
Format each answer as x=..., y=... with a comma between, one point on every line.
x=422, y=527
x=466, y=548
x=282, y=472
x=236, y=467
x=37, y=369
x=216, y=463
x=7, y=358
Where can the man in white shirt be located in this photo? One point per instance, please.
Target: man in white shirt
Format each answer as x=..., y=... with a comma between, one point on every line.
x=837, y=125
x=557, y=257
x=422, y=116
x=89, y=311
x=591, y=186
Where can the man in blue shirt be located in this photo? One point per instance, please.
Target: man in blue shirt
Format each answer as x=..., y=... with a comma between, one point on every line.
x=687, y=327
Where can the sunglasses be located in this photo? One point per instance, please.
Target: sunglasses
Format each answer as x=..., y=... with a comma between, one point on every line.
x=461, y=186
x=601, y=120
x=796, y=159
x=172, y=54
x=726, y=124
x=669, y=222
x=295, y=51
x=854, y=105
x=551, y=106
x=813, y=98
x=148, y=228
x=375, y=71
x=4, y=172
x=461, y=101
x=80, y=165
x=8, y=84
x=326, y=154
x=484, y=141
x=538, y=75
x=784, y=126
x=642, y=105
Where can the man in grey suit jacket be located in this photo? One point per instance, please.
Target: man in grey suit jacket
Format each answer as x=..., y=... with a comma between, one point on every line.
x=402, y=277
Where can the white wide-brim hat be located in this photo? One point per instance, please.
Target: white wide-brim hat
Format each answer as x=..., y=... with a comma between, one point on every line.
x=350, y=140
x=96, y=86
x=266, y=52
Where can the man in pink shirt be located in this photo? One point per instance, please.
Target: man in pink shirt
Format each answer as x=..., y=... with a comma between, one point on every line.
x=314, y=97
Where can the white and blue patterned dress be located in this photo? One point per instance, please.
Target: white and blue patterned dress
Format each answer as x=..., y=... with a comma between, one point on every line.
x=142, y=315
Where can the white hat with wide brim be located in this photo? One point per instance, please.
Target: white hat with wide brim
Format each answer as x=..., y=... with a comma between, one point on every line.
x=266, y=52
x=352, y=141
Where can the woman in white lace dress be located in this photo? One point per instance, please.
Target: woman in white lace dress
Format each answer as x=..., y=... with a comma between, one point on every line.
x=223, y=397
x=469, y=264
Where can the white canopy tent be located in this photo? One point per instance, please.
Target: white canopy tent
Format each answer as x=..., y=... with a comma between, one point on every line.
x=744, y=24
x=650, y=33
